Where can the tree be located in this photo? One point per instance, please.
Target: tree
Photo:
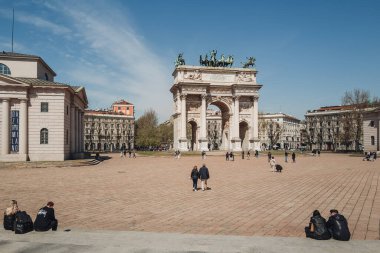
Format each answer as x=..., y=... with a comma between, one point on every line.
x=165, y=133
x=146, y=129
x=358, y=101
x=272, y=129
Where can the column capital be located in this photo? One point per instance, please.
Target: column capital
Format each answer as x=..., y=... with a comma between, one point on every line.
x=23, y=100
x=254, y=98
x=6, y=99
x=236, y=97
x=204, y=96
x=183, y=96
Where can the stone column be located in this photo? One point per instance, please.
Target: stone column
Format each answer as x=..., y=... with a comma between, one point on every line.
x=183, y=139
x=76, y=130
x=80, y=131
x=256, y=123
x=203, y=126
x=236, y=142
x=72, y=129
x=5, y=127
x=23, y=148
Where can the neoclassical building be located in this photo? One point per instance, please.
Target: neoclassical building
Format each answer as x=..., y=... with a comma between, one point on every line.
x=371, y=130
x=280, y=130
x=41, y=120
x=111, y=129
x=233, y=90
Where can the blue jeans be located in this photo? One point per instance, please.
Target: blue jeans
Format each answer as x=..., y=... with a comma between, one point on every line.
x=195, y=183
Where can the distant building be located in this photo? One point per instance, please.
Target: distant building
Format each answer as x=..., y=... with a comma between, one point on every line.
x=331, y=128
x=371, y=130
x=214, y=129
x=109, y=130
x=41, y=120
x=279, y=131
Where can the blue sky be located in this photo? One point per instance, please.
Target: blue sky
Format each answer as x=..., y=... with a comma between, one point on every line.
x=308, y=53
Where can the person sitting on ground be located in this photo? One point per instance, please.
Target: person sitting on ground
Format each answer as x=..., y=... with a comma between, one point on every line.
x=10, y=215
x=317, y=228
x=45, y=219
x=338, y=227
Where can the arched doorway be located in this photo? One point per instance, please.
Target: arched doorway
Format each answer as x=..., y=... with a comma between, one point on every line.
x=243, y=134
x=192, y=135
x=218, y=122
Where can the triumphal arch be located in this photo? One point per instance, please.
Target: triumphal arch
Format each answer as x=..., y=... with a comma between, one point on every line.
x=233, y=90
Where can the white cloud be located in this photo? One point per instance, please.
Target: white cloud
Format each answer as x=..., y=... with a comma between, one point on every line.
x=117, y=63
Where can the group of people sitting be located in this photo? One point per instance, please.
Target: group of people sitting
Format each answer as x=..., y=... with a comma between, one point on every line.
x=14, y=219
x=336, y=227
x=370, y=156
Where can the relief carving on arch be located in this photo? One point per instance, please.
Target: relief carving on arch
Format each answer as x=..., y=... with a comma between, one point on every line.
x=244, y=77
x=193, y=75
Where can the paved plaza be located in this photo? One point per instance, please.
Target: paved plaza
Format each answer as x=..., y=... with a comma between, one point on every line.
x=155, y=194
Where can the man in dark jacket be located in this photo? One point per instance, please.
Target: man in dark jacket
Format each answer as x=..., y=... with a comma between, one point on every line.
x=317, y=227
x=45, y=219
x=338, y=227
x=204, y=175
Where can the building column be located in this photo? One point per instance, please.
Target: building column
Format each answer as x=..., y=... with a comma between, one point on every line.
x=255, y=125
x=81, y=137
x=76, y=130
x=183, y=139
x=203, y=142
x=72, y=129
x=23, y=148
x=5, y=127
x=236, y=142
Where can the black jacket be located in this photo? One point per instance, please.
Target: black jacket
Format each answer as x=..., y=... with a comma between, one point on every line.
x=338, y=227
x=9, y=221
x=194, y=174
x=320, y=229
x=203, y=173
x=44, y=218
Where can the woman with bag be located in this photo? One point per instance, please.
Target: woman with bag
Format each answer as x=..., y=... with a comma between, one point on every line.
x=10, y=215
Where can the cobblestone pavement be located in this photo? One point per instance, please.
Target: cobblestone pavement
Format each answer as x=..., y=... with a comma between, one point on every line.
x=246, y=198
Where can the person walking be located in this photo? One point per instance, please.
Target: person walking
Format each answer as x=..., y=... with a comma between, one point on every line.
x=269, y=156
x=272, y=163
x=294, y=157
x=203, y=154
x=286, y=156
x=194, y=176
x=256, y=153
x=227, y=156
x=248, y=154
x=204, y=176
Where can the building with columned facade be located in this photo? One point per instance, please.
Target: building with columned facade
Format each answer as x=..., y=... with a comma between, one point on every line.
x=111, y=129
x=371, y=130
x=41, y=120
x=233, y=90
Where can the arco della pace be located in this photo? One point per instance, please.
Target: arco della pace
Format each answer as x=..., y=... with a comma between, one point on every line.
x=233, y=90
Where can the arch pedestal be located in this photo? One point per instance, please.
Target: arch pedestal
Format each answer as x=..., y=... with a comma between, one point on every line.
x=236, y=93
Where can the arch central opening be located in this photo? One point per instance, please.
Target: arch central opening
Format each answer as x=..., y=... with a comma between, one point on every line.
x=218, y=122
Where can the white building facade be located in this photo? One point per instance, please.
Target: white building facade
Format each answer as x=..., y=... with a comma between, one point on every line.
x=41, y=120
x=279, y=131
x=371, y=130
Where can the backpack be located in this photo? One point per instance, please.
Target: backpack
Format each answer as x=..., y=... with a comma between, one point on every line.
x=23, y=223
x=9, y=221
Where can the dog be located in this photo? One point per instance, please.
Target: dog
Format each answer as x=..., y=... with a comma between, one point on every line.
x=278, y=168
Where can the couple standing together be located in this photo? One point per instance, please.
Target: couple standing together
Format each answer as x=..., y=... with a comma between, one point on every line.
x=202, y=174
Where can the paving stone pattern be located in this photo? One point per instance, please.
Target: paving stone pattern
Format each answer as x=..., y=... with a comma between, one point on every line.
x=155, y=194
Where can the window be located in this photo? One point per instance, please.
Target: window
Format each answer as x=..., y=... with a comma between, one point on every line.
x=67, y=110
x=4, y=69
x=372, y=140
x=44, y=106
x=372, y=123
x=67, y=137
x=46, y=77
x=44, y=136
